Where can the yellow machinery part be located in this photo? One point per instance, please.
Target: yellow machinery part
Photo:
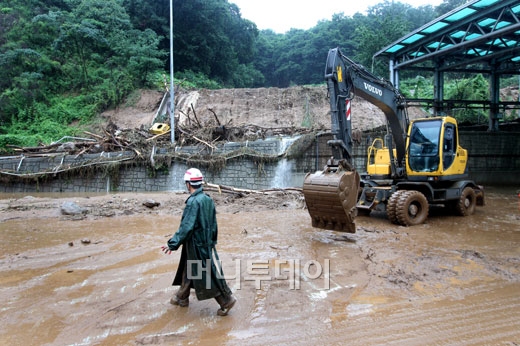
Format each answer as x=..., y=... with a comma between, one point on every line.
x=159, y=128
x=381, y=165
x=331, y=198
x=378, y=161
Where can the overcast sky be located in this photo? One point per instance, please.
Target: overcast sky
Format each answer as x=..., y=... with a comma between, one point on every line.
x=283, y=15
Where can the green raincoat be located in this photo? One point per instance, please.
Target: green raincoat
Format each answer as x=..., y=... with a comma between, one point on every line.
x=198, y=234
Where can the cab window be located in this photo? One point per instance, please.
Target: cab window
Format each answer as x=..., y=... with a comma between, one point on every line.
x=449, y=144
x=424, y=146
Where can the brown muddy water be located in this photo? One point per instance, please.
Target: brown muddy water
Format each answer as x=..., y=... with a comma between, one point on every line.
x=451, y=281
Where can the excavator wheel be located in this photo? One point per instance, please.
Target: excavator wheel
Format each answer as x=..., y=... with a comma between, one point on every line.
x=331, y=198
x=467, y=202
x=391, y=208
x=412, y=207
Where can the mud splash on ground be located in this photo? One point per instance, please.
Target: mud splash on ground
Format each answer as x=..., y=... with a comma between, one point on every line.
x=100, y=278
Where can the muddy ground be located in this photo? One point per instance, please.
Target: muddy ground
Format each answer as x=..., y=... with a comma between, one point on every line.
x=100, y=278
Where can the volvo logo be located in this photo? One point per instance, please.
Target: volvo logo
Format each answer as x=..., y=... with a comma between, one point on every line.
x=373, y=89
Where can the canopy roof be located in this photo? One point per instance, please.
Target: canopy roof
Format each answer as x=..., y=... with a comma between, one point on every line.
x=482, y=35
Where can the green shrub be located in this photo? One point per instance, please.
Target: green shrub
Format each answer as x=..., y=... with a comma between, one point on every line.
x=191, y=80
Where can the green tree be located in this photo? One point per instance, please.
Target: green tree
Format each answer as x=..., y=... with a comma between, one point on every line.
x=143, y=56
x=268, y=47
x=84, y=56
x=447, y=6
x=211, y=37
x=298, y=57
x=388, y=18
x=149, y=14
x=475, y=88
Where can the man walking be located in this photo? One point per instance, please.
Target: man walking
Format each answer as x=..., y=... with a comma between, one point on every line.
x=199, y=266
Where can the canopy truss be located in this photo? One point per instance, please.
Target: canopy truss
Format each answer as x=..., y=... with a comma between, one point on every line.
x=481, y=36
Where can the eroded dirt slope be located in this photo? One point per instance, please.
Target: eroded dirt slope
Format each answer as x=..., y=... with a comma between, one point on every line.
x=300, y=106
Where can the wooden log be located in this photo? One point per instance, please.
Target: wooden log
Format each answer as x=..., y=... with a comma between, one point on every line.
x=93, y=135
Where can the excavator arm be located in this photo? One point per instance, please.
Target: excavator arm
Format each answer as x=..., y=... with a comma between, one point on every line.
x=339, y=92
x=346, y=79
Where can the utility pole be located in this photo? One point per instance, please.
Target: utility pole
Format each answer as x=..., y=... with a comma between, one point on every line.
x=172, y=92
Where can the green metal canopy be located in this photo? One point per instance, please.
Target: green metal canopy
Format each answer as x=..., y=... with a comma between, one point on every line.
x=483, y=32
x=481, y=36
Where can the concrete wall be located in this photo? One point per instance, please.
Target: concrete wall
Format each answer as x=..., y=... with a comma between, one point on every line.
x=251, y=165
x=494, y=159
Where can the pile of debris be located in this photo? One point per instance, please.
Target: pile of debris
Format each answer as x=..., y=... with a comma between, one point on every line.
x=142, y=140
x=152, y=147
x=112, y=140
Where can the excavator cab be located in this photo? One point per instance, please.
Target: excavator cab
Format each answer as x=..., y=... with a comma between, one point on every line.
x=433, y=149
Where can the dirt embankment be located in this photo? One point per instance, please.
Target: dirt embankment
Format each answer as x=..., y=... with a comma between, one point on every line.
x=294, y=107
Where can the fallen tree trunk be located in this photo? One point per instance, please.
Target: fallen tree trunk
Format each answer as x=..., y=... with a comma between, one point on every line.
x=233, y=190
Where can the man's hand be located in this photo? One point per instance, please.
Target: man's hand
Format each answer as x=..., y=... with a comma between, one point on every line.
x=166, y=250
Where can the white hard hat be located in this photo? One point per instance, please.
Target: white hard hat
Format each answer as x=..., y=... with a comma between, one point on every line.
x=193, y=176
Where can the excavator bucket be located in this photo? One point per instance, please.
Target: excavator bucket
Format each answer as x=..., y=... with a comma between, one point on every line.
x=331, y=198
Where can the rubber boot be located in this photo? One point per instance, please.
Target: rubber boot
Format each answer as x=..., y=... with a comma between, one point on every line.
x=180, y=302
x=226, y=303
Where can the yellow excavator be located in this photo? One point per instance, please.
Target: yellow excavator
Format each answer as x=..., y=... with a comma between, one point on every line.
x=417, y=164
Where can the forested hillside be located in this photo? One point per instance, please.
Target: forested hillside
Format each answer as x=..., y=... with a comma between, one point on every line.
x=62, y=62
